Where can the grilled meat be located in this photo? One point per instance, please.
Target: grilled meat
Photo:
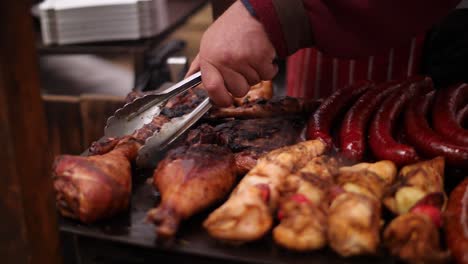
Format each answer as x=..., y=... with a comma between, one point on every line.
x=304, y=204
x=190, y=179
x=354, y=224
x=99, y=186
x=414, y=182
x=354, y=216
x=262, y=108
x=249, y=139
x=94, y=187
x=414, y=238
x=418, y=198
x=262, y=134
x=247, y=215
x=175, y=107
x=262, y=90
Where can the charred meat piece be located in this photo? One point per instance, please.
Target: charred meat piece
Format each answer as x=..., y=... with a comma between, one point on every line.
x=262, y=134
x=175, y=107
x=249, y=139
x=247, y=215
x=95, y=187
x=262, y=108
x=190, y=179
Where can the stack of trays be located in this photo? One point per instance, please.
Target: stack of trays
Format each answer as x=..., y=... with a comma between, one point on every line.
x=80, y=21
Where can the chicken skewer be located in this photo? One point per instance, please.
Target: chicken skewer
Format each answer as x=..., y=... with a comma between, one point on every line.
x=247, y=215
x=354, y=216
x=302, y=211
x=418, y=200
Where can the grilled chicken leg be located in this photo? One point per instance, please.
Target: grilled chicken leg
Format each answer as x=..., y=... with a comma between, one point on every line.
x=95, y=187
x=190, y=179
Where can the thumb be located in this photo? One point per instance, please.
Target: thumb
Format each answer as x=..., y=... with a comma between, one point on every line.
x=194, y=66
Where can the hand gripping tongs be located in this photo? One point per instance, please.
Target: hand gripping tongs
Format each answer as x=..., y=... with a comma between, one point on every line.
x=141, y=111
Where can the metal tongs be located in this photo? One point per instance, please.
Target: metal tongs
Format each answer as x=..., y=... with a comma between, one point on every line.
x=141, y=111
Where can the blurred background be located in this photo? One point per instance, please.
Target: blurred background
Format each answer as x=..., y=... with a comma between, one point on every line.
x=84, y=82
x=114, y=74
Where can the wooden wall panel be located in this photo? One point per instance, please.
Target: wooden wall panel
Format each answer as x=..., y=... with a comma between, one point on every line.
x=65, y=129
x=28, y=223
x=95, y=109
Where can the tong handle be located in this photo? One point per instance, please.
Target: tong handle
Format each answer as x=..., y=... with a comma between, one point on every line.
x=178, y=88
x=182, y=86
x=141, y=111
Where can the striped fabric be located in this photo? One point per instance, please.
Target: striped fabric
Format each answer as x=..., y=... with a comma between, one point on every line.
x=312, y=75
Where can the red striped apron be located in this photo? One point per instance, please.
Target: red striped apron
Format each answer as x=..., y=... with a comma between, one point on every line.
x=312, y=75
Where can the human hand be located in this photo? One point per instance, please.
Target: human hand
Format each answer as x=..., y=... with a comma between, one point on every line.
x=235, y=53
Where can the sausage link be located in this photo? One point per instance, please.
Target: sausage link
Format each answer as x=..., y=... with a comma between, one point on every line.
x=456, y=223
x=382, y=127
x=425, y=140
x=320, y=123
x=355, y=123
x=447, y=103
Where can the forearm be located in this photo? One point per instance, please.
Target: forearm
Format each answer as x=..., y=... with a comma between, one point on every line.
x=345, y=28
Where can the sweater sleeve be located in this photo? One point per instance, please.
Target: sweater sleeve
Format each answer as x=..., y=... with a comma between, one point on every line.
x=345, y=28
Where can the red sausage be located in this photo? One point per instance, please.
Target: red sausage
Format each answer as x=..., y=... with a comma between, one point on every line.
x=462, y=116
x=382, y=127
x=355, y=123
x=456, y=223
x=444, y=119
x=425, y=140
x=320, y=123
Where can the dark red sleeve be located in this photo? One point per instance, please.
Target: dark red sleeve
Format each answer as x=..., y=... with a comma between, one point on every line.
x=349, y=28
